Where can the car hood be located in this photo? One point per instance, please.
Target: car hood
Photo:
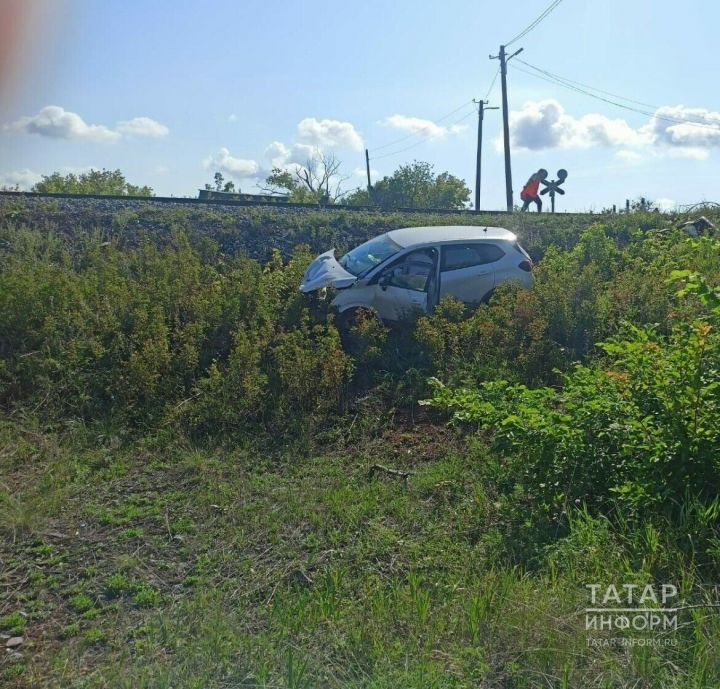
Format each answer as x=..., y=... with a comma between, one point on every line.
x=325, y=271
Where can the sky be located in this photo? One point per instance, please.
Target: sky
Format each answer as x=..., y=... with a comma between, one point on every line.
x=170, y=92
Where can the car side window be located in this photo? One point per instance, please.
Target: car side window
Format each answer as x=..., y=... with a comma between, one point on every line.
x=457, y=256
x=413, y=271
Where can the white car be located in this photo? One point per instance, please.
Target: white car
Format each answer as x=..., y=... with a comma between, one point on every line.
x=407, y=271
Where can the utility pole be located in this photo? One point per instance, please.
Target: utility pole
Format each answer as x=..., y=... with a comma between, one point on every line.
x=367, y=168
x=504, y=59
x=478, y=162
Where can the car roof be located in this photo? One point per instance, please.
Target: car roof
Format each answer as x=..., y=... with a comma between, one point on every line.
x=409, y=236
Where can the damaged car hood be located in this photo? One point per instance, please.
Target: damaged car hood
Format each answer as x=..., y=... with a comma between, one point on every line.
x=325, y=271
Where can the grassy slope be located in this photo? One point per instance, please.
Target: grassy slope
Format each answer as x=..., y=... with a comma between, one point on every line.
x=165, y=565
x=257, y=231
x=152, y=562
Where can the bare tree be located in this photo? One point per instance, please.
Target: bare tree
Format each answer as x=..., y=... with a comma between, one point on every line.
x=321, y=175
x=318, y=180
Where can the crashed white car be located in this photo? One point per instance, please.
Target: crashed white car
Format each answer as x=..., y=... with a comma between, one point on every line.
x=407, y=271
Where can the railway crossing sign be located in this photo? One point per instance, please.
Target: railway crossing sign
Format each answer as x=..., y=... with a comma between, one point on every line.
x=553, y=187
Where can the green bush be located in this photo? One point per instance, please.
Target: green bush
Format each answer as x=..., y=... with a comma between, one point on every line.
x=635, y=433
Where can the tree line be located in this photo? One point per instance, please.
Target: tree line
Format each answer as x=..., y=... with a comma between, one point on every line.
x=320, y=181
x=415, y=185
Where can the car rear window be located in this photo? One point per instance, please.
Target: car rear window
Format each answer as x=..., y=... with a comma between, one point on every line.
x=457, y=256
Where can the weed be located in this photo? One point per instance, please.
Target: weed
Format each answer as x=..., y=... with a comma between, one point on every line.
x=94, y=636
x=118, y=584
x=81, y=603
x=70, y=630
x=146, y=597
x=13, y=624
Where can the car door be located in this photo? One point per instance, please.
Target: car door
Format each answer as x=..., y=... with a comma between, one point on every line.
x=467, y=270
x=401, y=289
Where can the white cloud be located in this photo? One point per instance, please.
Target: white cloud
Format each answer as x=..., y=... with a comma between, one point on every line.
x=696, y=126
x=229, y=164
x=232, y=117
x=57, y=123
x=329, y=134
x=301, y=153
x=23, y=178
x=545, y=124
x=666, y=205
x=427, y=128
x=296, y=155
x=142, y=126
x=315, y=138
x=277, y=153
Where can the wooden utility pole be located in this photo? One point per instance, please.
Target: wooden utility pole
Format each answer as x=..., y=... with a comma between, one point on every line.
x=478, y=162
x=367, y=169
x=504, y=59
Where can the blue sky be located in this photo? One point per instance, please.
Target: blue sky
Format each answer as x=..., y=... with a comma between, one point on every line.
x=170, y=91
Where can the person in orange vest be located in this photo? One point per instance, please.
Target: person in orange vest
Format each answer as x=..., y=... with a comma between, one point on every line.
x=530, y=193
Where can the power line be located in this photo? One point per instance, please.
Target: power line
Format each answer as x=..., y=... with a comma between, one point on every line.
x=492, y=83
x=560, y=81
x=422, y=141
x=577, y=89
x=580, y=84
x=534, y=23
x=420, y=132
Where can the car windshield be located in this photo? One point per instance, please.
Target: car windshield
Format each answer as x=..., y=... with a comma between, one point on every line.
x=372, y=253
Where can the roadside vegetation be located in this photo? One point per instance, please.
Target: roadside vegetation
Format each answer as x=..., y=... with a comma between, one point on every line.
x=204, y=484
x=93, y=181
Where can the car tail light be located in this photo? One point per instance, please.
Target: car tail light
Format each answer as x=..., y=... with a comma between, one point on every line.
x=525, y=265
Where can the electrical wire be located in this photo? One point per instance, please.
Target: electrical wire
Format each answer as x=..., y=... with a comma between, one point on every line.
x=534, y=23
x=581, y=85
x=568, y=85
x=492, y=83
x=422, y=141
x=419, y=133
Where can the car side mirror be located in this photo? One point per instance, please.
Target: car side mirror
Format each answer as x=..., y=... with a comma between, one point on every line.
x=384, y=281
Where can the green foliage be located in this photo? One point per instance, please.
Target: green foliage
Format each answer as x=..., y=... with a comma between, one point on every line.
x=220, y=184
x=92, y=182
x=118, y=584
x=146, y=597
x=141, y=331
x=70, y=630
x=81, y=603
x=581, y=296
x=214, y=430
x=13, y=624
x=415, y=186
x=636, y=432
x=94, y=636
x=318, y=180
x=285, y=183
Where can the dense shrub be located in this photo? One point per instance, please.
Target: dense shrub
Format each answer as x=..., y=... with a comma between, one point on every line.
x=168, y=327
x=581, y=296
x=138, y=331
x=635, y=433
